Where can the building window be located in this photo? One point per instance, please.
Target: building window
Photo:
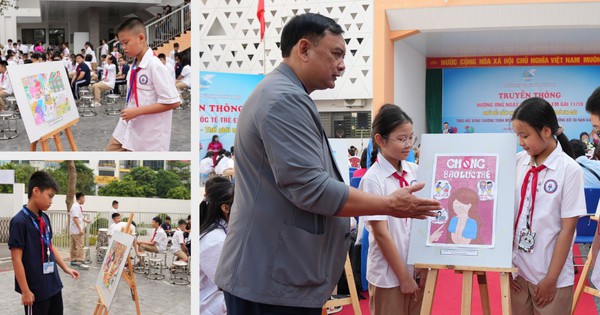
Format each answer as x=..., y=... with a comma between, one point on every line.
x=56, y=36
x=346, y=124
x=155, y=165
x=106, y=163
x=106, y=173
x=33, y=35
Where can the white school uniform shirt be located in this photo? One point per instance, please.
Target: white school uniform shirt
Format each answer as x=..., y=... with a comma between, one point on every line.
x=89, y=51
x=24, y=49
x=595, y=277
x=66, y=53
x=149, y=132
x=171, y=66
x=76, y=212
x=559, y=195
x=161, y=239
x=222, y=166
x=5, y=83
x=172, y=55
x=110, y=77
x=211, y=298
x=104, y=49
x=186, y=74
x=206, y=166
x=177, y=240
x=121, y=225
x=379, y=180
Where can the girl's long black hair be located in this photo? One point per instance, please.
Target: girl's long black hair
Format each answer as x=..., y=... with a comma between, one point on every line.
x=218, y=192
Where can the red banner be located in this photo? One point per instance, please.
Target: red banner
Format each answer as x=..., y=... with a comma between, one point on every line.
x=513, y=61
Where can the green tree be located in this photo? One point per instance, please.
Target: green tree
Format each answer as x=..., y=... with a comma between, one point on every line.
x=126, y=187
x=22, y=174
x=145, y=178
x=85, y=177
x=179, y=193
x=164, y=182
x=61, y=178
x=182, y=169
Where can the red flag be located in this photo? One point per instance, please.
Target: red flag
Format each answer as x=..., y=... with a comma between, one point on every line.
x=260, y=13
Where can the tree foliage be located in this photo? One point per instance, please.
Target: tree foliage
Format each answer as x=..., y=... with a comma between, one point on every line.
x=179, y=193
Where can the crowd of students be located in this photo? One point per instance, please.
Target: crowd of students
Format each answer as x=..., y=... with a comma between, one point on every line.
x=217, y=160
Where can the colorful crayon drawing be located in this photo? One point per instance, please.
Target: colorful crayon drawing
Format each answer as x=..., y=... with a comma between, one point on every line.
x=465, y=185
x=113, y=265
x=46, y=96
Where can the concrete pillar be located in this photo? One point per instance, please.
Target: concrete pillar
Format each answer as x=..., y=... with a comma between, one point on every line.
x=94, y=27
x=8, y=28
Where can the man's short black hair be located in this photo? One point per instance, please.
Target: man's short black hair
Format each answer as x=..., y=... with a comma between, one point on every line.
x=115, y=215
x=157, y=219
x=131, y=24
x=176, y=45
x=592, y=105
x=79, y=55
x=168, y=218
x=162, y=56
x=79, y=195
x=310, y=26
x=3, y=63
x=42, y=180
x=578, y=147
x=115, y=202
x=181, y=222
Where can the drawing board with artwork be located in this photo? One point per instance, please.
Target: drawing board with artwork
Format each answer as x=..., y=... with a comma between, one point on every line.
x=112, y=266
x=473, y=177
x=44, y=97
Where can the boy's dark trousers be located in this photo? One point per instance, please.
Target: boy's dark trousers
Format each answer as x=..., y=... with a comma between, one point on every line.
x=50, y=306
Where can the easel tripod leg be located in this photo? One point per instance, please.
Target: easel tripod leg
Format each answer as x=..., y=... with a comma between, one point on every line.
x=505, y=292
x=467, y=292
x=432, y=275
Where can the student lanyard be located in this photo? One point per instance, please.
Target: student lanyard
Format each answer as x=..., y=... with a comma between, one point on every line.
x=44, y=234
x=133, y=84
x=534, y=171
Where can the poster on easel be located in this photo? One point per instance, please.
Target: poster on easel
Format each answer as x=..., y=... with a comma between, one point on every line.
x=112, y=266
x=465, y=185
x=44, y=97
x=473, y=177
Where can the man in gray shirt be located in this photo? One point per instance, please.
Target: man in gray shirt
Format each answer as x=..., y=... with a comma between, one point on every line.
x=288, y=233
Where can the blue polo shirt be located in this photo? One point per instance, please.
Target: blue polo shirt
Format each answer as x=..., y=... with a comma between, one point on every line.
x=23, y=234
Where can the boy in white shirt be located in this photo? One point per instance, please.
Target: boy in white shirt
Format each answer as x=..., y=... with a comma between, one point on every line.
x=77, y=232
x=108, y=80
x=145, y=123
x=178, y=248
x=5, y=86
x=159, y=240
x=116, y=218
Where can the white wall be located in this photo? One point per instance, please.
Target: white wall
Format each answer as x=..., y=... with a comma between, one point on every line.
x=102, y=203
x=8, y=29
x=409, y=84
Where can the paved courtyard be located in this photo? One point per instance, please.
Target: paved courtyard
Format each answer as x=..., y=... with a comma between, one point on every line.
x=79, y=296
x=93, y=133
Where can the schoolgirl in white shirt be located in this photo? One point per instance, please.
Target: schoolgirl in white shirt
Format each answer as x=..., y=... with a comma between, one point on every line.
x=214, y=215
x=393, y=285
x=546, y=217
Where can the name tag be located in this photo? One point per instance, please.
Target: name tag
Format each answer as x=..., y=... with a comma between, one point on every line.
x=48, y=267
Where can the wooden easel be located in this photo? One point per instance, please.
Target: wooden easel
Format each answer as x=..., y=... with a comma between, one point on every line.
x=55, y=135
x=353, y=299
x=128, y=275
x=467, y=287
x=581, y=287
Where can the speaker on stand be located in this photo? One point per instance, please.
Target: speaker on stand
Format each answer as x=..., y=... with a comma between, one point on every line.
x=339, y=130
